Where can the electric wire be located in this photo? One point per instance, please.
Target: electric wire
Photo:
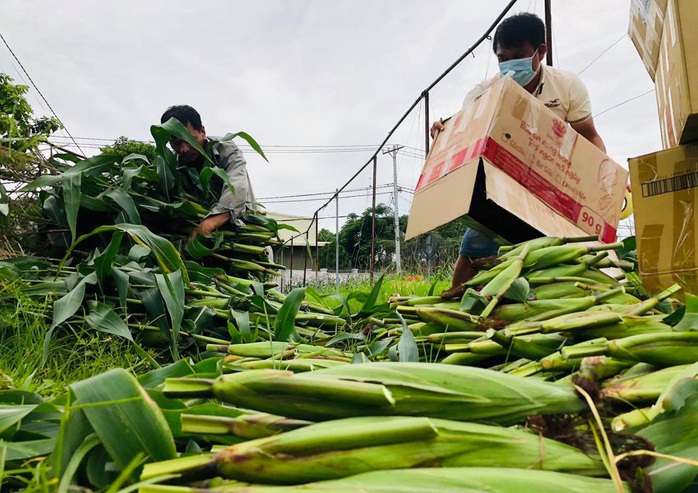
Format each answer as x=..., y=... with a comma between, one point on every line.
x=38, y=91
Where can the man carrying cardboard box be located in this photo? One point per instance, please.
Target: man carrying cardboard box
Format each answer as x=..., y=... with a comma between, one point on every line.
x=519, y=43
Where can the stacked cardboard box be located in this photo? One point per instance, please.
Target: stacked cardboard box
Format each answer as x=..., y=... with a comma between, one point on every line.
x=665, y=183
x=518, y=172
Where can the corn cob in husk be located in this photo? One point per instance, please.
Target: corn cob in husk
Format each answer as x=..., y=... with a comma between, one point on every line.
x=341, y=448
x=406, y=389
x=442, y=480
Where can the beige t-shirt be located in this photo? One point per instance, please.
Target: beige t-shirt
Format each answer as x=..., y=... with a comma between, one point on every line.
x=561, y=91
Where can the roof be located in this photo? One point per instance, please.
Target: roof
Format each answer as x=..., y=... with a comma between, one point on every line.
x=301, y=224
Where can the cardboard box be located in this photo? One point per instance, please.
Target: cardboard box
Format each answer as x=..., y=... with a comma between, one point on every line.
x=518, y=172
x=677, y=74
x=645, y=29
x=665, y=189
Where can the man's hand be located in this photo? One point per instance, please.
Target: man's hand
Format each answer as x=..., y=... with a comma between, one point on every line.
x=437, y=127
x=209, y=225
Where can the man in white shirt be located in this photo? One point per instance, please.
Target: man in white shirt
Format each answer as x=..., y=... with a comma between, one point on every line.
x=519, y=43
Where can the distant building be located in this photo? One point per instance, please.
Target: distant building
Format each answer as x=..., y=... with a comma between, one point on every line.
x=294, y=253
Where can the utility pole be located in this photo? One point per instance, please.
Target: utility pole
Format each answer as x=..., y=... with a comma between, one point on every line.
x=336, y=268
x=549, y=32
x=393, y=153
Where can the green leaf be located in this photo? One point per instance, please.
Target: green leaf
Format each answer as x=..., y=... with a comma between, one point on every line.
x=472, y=302
x=690, y=317
x=74, y=429
x=432, y=288
x=125, y=201
x=166, y=175
x=197, y=250
x=242, y=322
x=68, y=305
x=208, y=172
x=370, y=303
x=174, y=128
x=343, y=336
x=74, y=463
x=165, y=253
x=126, y=420
x=104, y=319
x=97, y=468
x=71, y=198
x=181, y=368
x=284, y=325
x=105, y=261
x=172, y=291
x=518, y=291
x=137, y=252
x=407, y=345
x=377, y=347
x=90, y=166
x=253, y=143
x=11, y=415
x=27, y=449
x=121, y=280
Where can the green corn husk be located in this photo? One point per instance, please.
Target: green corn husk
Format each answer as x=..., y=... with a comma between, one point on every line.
x=465, y=359
x=599, y=277
x=452, y=319
x=567, y=358
x=598, y=368
x=533, y=347
x=510, y=251
x=442, y=480
x=298, y=365
x=424, y=300
x=641, y=388
x=539, y=310
x=662, y=349
x=498, y=286
x=566, y=270
x=554, y=255
x=630, y=326
x=247, y=426
x=277, y=349
x=319, y=319
x=560, y=290
x=341, y=448
x=404, y=389
x=579, y=321
x=452, y=337
x=485, y=276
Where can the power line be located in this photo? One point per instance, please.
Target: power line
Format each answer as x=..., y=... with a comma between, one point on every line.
x=621, y=104
x=602, y=53
x=323, y=198
x=315, y=194
x=39, y=92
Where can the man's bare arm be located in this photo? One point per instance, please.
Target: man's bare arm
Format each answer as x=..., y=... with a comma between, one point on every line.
x=587, y=130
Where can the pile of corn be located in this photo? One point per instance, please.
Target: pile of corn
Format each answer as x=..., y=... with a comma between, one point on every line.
x=547, y=374
x=125, y=265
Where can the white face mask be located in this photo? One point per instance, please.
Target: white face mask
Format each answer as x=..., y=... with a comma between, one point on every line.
x=521, y=69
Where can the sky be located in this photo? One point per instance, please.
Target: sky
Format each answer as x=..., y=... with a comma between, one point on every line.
x=318, y=83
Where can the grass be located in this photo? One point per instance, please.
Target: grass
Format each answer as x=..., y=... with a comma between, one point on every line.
x=76, y=353
x=403, y=285
x=73, y=354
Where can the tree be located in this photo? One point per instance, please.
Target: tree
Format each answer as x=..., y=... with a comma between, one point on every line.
x=20, y=133
x=355, y=240
x=20, y=136
x=124, y=146
x=440, y=246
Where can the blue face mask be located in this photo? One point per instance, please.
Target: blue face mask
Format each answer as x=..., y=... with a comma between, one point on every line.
x=522, y=69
